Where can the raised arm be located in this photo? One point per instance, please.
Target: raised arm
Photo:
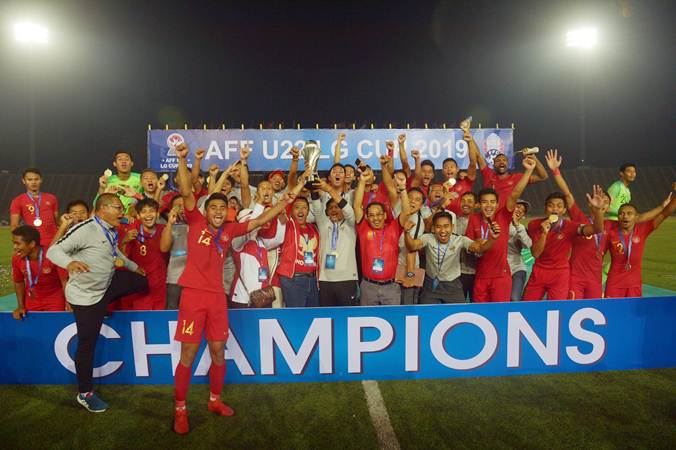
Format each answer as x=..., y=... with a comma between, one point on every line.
x=280, y=206
x=473, y=152
x=166, y=238
x=245, y=190
x=653, y=213
x=412, y=245
x=388, y=181
x=405, y=208
x=478, y=156
x=528, y=164
x=595, y=203
x=359, y=196
x=554, y=162
x=183, y=177
x=668, y=210
x=405, y=166
x=293, y=169
x=540, y=172
x=336, y=149
x=417, y=175
x=195, y=170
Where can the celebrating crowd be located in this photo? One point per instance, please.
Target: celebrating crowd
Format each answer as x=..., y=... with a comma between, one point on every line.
x=297, y=240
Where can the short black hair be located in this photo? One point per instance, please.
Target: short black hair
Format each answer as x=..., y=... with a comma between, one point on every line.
x=629, y=205
x=77, y=203
x=427, y=162
x=336, y=165
x=122, y=152
x=442, y=215
x=28, y=170
x=449, y=160
x=555, y=195
x=399, y=171
x=216, y=196
x=149, y=170
x=146, y=202
x=488, y=191
x=471, y=194
x=303, y=199
x=419, y=191
x=462, y=171
x=382, y=206
x=345, y=166
x=27, y=233
x=627, y=165
x=173, y=200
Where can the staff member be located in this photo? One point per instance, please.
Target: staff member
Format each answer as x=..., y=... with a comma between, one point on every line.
x=89, y=252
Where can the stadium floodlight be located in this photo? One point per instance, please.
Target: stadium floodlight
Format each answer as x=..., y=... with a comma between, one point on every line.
x=582, y=38
x=31, y=33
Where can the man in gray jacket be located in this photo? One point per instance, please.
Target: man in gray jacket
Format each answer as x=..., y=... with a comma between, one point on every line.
x=90, y=254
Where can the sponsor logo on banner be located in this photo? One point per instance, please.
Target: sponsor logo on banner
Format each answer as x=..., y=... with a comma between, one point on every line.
x=173, y=141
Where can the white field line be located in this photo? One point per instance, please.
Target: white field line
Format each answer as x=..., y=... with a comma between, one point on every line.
x=381, y=420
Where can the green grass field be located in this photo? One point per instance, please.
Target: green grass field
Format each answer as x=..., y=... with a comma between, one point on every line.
x=629, y=409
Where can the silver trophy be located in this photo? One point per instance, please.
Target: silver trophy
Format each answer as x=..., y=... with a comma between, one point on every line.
x=311, y=152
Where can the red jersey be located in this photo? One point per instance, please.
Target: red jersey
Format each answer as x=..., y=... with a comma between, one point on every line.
x=558, y=243
x=145, y=251
x=379, y=249
x=48, y=288
x=460, y=187
x=379, y=196
x=586, y=260
x=502, y=184
x=28, y=208
x=492, y=263
x=625, y=269
x=300, y=251
x=204, y=266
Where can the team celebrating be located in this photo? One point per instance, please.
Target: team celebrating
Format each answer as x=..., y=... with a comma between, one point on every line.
x=215, y=242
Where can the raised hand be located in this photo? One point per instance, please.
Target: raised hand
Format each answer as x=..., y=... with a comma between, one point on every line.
x=295, y=152
x=529, y=163
x=213, y=170
x=596, y=199
x=401, y=138
x=103, y=182
x=385, y=159
x=390, y=146
x=161, y=184
x=182, y=150
x=341, y=136
x=553, y=159
x=66, y=220
x=172, y=217
x=244, y=153
x=323, y=185
x=199, y=153
x=668, y=200
x=467, y=136
x=415, y=154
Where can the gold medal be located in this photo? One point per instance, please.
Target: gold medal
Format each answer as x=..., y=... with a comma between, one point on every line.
x=37, y=222
x=553, y=218
x=108, y=173
x=119, y=262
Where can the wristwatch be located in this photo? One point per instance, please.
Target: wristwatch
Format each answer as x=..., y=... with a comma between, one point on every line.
x=409, y=274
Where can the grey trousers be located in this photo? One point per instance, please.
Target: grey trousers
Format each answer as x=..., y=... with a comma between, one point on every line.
x=375, y=294
x=446, y=292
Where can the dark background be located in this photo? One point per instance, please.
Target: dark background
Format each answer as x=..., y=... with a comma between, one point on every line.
x=114, y=67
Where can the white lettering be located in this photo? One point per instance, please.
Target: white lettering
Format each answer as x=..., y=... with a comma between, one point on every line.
x=142, y=349
x=319, y=334
x=61, y=350
x=595, y=339
x=362, y=153
x=213, y=151
x=230, y=148
x=517, y=326
x=355, y=345
x=443, y=327
x=412, y=344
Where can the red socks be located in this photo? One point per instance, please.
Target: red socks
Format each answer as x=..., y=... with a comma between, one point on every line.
x=216, y=378
x=182, y=382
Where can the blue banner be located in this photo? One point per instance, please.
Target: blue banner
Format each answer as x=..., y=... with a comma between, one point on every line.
x=271, y=149
x=357, y=343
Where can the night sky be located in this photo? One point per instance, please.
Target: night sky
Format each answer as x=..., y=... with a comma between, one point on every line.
x=114, y=67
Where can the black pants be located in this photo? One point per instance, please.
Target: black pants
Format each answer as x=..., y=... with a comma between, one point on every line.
x=89, y=319
x=338, y=293
x=467, y=281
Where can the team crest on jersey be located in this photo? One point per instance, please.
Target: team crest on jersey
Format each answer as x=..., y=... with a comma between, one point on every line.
x=173, y=141
x=559, y=236
x=46, y=270
x=636, y=239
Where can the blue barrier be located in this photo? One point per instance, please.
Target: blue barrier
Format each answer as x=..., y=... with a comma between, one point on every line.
x=347, y=344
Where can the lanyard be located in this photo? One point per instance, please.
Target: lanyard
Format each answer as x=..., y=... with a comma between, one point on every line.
x=32, y=282
x=142, y=234
x=440, y=257
x=335, y=232
x=484, y=232
x=37, y=205
x=217, y=238
x=597, y=237
x=559, y=226
x=372, y=195
x=107, y=232
x=382, y=239
x=259, y=250
x=624, y=244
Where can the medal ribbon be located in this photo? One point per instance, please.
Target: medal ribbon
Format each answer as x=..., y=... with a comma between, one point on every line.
x=108, y=233
x=484, y=232
x=335, y=232
x=597, y=237
x=382, y=239
x=32, y=282
x=217, y=238
x=440, y=257
x=142, y=235
x=627, y=248
x=37, y=205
